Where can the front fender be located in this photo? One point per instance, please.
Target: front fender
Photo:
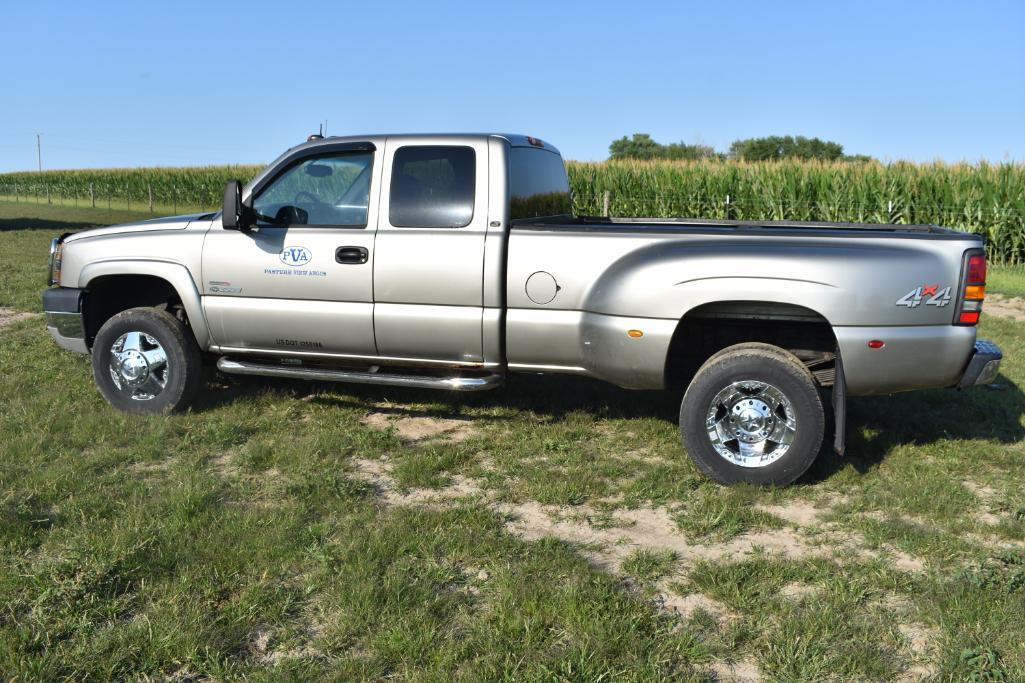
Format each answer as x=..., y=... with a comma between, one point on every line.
x=174, y=273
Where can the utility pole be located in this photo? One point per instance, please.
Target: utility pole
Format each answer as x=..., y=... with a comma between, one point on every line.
x=39, y=153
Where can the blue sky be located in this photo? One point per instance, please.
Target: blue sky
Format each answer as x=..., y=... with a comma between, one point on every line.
x=144, y=83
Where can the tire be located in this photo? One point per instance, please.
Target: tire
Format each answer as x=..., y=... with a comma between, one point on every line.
x=752, y=414
x=128, y=367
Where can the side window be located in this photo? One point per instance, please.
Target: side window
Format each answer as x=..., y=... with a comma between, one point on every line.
x=538, y=184
x=432, y=187
x=329, y=190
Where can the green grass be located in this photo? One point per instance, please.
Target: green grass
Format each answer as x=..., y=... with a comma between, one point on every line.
x=245, y=538
x=1006, y=280
x=25, y=234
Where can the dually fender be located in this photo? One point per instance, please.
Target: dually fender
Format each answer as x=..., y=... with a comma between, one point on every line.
x=174, y=273
x=654, y=288
x=669, y=281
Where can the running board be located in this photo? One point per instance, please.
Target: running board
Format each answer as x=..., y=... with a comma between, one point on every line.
x=456, y=383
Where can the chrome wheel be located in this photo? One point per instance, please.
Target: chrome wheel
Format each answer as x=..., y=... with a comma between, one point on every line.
x=751, y=424
x=138, y=366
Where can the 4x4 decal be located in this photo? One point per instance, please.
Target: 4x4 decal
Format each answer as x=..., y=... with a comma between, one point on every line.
x=932, y=295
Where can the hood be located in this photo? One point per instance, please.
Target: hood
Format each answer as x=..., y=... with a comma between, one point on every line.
x=168, y=223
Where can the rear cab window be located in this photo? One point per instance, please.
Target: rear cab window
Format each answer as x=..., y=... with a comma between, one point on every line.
x=538, y=185
x=432, y=186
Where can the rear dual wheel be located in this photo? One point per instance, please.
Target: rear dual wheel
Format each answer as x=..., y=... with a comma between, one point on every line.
x=752, y=414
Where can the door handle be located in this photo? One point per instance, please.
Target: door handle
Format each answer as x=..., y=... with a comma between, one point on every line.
x=351, y=255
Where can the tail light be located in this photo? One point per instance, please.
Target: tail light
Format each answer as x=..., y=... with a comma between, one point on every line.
x=973, y=289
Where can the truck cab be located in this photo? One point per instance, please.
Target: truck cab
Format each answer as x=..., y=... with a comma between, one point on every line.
x=385, y=249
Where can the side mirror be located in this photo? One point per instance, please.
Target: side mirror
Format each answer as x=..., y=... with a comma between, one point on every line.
x=232, y=211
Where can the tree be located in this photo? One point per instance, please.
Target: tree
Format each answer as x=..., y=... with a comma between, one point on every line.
x=641, y=146
x=785, y=147
x=771, y=148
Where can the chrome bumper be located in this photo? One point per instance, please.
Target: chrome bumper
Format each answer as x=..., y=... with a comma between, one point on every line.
x=983, y=365
x=63, y=309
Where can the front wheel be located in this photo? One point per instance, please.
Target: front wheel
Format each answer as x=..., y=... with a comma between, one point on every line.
x=146, y=361
x=752, y=414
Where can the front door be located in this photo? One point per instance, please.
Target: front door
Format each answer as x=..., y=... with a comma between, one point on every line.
x=301, y=281
x=429, y=270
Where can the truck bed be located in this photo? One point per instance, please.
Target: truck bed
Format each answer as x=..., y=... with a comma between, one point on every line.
x=606, y=276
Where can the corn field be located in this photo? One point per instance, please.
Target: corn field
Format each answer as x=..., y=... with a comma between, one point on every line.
x=988, y=199
x=200, y=187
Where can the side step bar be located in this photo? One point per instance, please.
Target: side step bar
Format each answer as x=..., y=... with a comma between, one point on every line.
x=456, y=383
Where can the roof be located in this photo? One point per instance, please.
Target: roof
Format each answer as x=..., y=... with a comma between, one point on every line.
x=514, y=139
x=299, y=150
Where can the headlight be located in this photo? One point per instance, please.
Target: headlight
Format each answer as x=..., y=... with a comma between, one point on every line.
x=56, y=248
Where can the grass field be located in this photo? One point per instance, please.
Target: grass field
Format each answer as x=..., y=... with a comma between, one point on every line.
x=1007, y=280
x=549, y=530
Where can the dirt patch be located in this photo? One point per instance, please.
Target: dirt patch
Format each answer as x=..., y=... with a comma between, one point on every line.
x=798, y=513
x=797, y=591
x=606, y=547
x=901, y=561
x=736, y=672
x=1005, y=307
x=415, y=427
x=984, y=492
x=921, y=641
x=261, y=648
x=223, y=465
x=686, y=605
x=987, y=496
x=258, y=645
x=647, y=528
x=9, y=316
x=377, y=473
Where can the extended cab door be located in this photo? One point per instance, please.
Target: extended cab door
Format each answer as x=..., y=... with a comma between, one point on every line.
x=302, y=279
x=429, y=260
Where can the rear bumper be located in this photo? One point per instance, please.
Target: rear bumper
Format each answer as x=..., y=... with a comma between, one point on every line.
x=983, y=365
x=63, y=309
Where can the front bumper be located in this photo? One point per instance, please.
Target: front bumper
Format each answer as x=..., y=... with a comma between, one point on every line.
x=983, y=365
x=63, y=309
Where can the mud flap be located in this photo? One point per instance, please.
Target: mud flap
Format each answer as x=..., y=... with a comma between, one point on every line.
x=839, y=407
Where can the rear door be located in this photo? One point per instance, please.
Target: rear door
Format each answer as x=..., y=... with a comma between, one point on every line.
x=429, y=253
x=302, y=279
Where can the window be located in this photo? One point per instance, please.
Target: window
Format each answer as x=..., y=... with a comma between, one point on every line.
x=432, y=187
x=537, y=184
x=329, y=190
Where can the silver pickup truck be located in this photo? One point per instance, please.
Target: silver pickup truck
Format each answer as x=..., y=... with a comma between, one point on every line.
x=449, y=261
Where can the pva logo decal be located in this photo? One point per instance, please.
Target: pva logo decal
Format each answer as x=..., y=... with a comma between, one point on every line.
x=931, y=295
x=295, y=256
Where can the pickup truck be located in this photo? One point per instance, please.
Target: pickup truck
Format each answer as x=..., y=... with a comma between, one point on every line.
x=450, y=261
